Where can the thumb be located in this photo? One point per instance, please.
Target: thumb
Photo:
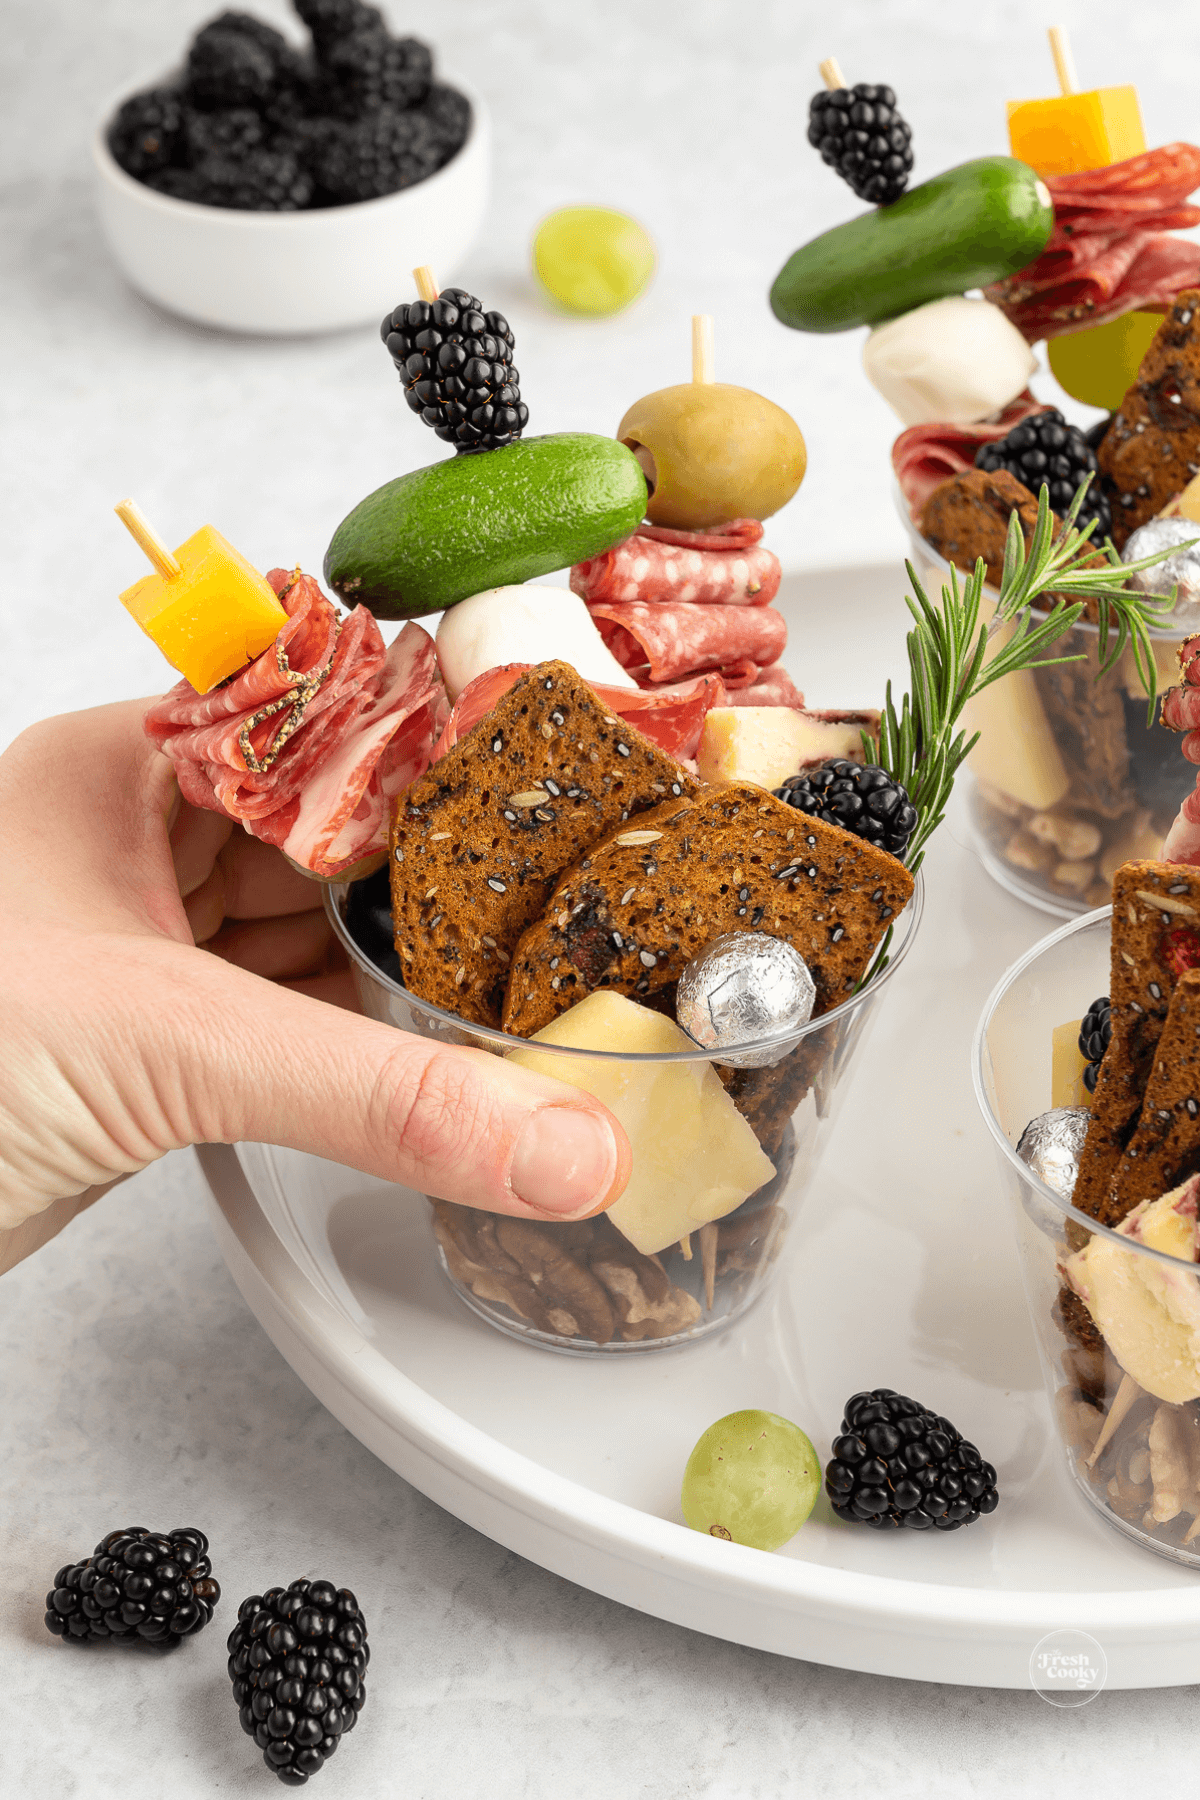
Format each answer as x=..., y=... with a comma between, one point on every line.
x=454, y=1123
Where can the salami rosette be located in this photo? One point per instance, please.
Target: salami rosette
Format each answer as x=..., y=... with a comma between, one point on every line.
x=1108, y=253
x=667, y=642
x=671, y=716
x=661, y=565
x=307, y=744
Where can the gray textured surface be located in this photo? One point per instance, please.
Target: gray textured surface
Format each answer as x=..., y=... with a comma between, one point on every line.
x=134, y=1383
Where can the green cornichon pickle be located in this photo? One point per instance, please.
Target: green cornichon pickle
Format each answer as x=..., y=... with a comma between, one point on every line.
x=487, y=520
x=963, y=229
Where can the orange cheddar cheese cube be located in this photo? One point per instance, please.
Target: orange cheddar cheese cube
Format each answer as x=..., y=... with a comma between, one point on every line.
x=212, y=618
x=1071, y=132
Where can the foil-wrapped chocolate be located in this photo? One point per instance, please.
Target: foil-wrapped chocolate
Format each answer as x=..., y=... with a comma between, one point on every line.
x=1051, y=1143
x=1181, y=570
x=743, y=986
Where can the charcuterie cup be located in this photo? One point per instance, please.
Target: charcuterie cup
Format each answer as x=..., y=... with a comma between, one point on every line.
x=1068, y=780
x=590, y=1289
x=1122, y=1404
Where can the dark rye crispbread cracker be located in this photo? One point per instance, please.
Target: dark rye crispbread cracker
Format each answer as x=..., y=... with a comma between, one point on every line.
x=967, y=515
x=1151, y=450
x=638, y=906
x=478, y=842
x=1165, y=1148
x=1155, y=939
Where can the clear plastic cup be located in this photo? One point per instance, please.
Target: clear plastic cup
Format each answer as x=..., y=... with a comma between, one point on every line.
x=583, y=1288
x=1133, y=1453
x=1068, y=781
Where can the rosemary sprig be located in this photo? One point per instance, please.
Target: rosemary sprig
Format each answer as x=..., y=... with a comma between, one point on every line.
x=918, y=743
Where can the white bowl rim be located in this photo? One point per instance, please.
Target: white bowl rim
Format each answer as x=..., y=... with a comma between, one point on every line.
x=506, y=1041
x=978, y=1050
x=241, y=219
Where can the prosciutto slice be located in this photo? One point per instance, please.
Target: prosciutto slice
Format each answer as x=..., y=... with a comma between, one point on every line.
x=1108, y=253
x=926, y=455
x=729, y=567
x=306, y=746
x=665, y=642
x=671, y=716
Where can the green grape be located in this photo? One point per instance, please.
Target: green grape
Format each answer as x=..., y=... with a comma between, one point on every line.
x=753, y=1477
x=592, y=260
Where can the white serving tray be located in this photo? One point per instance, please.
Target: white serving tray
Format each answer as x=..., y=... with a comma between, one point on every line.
x=900, y=1272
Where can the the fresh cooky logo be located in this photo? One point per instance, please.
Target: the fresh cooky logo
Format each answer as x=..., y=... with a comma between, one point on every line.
x=1068, y=1668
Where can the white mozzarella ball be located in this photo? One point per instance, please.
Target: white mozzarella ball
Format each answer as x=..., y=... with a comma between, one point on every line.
x=954, y=360
x=523, y=624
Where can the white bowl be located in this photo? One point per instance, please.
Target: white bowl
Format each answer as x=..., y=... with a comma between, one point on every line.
x=293, y=272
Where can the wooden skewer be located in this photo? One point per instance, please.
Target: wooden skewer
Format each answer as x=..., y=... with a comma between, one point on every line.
x=831, y=73
x=1064, y=62
x=1126, y=1394
x=426, y=285
x=139, y=527
x=708, y=1261
x=702, y=347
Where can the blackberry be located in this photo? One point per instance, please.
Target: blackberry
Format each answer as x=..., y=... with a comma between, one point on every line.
x=383, y=153
x=1045, y=448
x=896, y=1463
x=1094, y=1034
x=449, y=113
x=146, y=132
x=226, y=67
x=864, y=800
x=260, y=181
x=329, y=20
x=369, y=70
x=297, y=1661
x=455, y=362
x=156, y=1586
x=233, y=133
x=369, y=922
x=860, y=134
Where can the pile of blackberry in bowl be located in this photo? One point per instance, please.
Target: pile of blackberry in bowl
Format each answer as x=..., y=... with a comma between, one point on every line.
x=256, y=124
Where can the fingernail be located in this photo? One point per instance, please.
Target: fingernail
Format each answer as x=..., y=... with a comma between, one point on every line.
x=564, y=1161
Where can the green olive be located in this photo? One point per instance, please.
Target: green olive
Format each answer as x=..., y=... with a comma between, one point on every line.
x=712, y=452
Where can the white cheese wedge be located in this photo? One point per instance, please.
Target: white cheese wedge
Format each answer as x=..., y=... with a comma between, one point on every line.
x=694, y=1156
x=1016, y=751
x=1148, y=1312
x=523, y=624
x=955, y=360
x=765, y=744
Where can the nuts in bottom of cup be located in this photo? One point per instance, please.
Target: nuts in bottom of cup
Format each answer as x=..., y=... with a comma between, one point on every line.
x=586, y=1281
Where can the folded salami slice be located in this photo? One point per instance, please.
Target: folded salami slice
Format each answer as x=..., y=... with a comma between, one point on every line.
x=726, y=568
x=667, y=642
x=770, y=687
x=671, y=716
x=306, y=746
x=926, y=455
x=1108, y=253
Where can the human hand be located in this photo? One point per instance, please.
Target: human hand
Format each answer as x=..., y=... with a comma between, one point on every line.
x=122, y=1038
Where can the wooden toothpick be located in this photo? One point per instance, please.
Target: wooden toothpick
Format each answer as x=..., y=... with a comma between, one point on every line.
x=139, y=527
x=702, y=347
x=1126, y=1394
x=426, y=285
x=1064, y=63
x=831, y=73
x=708, y=1261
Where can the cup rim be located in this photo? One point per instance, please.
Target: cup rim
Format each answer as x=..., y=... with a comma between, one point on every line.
x=978, y=1050
x=235, y=218
x=507, y=1041
x=1167, y=634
